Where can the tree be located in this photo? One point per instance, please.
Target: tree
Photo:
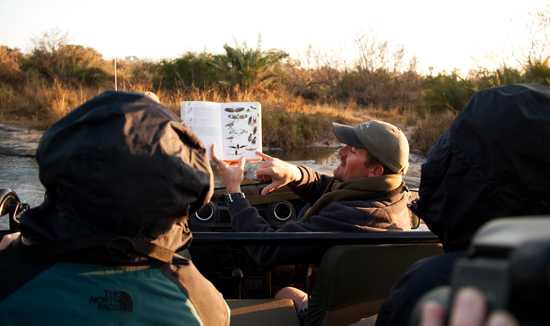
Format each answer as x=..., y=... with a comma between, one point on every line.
x=56, y=60
x=187, y=72
x=247, y=68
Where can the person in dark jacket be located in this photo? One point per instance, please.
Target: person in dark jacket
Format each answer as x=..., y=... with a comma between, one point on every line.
x=122, y=175
x=366, y=192
x=492, y=162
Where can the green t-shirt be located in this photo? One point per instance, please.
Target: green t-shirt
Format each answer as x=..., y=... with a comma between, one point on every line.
x=80, y=294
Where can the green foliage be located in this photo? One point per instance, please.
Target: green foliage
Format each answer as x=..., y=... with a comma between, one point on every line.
x=247, y=68
x=447, y=92
x=75, y=65
x=538, y=71
x=240, y=67
x=133, y=71
x=485, y=78
x=55, y=76
x=187, y=72
x=452, y=92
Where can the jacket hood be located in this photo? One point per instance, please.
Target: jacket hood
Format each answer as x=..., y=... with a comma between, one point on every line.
x=119, y=165
x=492, y=162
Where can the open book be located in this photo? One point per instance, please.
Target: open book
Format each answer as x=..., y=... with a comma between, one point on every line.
x=235, y=127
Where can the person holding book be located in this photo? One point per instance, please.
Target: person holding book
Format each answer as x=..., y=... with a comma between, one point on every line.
x=122, y=174
x=366, y=192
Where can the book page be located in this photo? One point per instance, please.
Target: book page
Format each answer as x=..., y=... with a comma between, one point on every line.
x=204, y=119
x=242, y=129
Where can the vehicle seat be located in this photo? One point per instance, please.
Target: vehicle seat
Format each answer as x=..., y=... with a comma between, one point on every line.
x=264, y=312
x=353, y=280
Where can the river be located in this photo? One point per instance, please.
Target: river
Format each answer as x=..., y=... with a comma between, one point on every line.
x=19, y=170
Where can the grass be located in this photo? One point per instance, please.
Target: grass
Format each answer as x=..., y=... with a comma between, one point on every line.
x=429, y=128
x=38, y=104
x=288, y=122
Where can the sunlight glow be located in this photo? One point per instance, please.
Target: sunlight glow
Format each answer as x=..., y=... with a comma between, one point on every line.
x=442, y=34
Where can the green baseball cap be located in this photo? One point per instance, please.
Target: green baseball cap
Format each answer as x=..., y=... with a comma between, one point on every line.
x=382, y=140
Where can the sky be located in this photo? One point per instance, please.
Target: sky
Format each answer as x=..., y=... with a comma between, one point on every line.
x=441, y=34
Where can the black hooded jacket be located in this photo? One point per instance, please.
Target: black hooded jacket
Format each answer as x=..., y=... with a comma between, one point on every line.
x=121, y=174
x=492, y=162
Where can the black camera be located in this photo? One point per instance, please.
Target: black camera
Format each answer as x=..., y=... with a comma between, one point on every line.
x=509, y=261
x=11, y=206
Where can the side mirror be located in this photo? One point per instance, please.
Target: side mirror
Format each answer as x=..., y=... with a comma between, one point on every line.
x=12, y=206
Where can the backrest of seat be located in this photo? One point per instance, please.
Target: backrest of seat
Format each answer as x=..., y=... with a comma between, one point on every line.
x=353, y=280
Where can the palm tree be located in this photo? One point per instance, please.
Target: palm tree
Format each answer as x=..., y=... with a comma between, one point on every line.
x=247, y=68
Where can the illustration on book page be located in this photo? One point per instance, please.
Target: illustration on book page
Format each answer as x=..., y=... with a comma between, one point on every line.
x=242, y=129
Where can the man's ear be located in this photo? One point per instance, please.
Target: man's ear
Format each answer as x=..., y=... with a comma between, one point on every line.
x=376, y=170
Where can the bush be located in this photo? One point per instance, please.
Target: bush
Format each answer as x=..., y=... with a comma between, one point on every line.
x=484, y=78
x=239, y=68
x=10, y=65
x=538, y=71
x=319, y=84
x=70, y=64
x=447, y=92
x=247, y=68
x=429, y=128
x=187, y=72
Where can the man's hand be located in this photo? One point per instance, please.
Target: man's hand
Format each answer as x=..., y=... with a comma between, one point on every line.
x=279, y=172
x=8, y=239
x=232, y=173
x=469, y=309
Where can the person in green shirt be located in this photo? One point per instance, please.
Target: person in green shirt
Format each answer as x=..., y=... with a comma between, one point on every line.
x=122, y=175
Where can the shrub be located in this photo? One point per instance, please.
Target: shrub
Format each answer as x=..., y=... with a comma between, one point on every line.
x=187, y=72
x=447, y=92
x=71, y=64
x=538, y=71
x=247, y=68
x=429, y=128
x=10, y=65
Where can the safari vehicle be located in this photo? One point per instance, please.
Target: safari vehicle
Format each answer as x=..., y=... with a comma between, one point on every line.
x=347, y=283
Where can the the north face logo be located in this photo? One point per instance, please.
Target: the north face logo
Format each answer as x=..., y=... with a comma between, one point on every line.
x=113, y=301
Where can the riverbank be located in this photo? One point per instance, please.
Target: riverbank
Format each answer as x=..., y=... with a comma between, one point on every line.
x=287, y=123
x=19, y=170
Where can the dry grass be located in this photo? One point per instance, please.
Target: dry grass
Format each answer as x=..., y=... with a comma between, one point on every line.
x=288, y=121
x=429, y=128
x=38, y=104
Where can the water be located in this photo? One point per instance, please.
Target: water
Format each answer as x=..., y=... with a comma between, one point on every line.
x=19, y=170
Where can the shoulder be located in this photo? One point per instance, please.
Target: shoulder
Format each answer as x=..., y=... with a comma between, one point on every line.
x=369, y=213
x=206, y=299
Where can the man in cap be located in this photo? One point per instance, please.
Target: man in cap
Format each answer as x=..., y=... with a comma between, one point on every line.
x=121, y=177
x=365, y=193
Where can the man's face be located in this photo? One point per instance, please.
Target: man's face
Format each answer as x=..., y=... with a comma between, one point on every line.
x=353, y=163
